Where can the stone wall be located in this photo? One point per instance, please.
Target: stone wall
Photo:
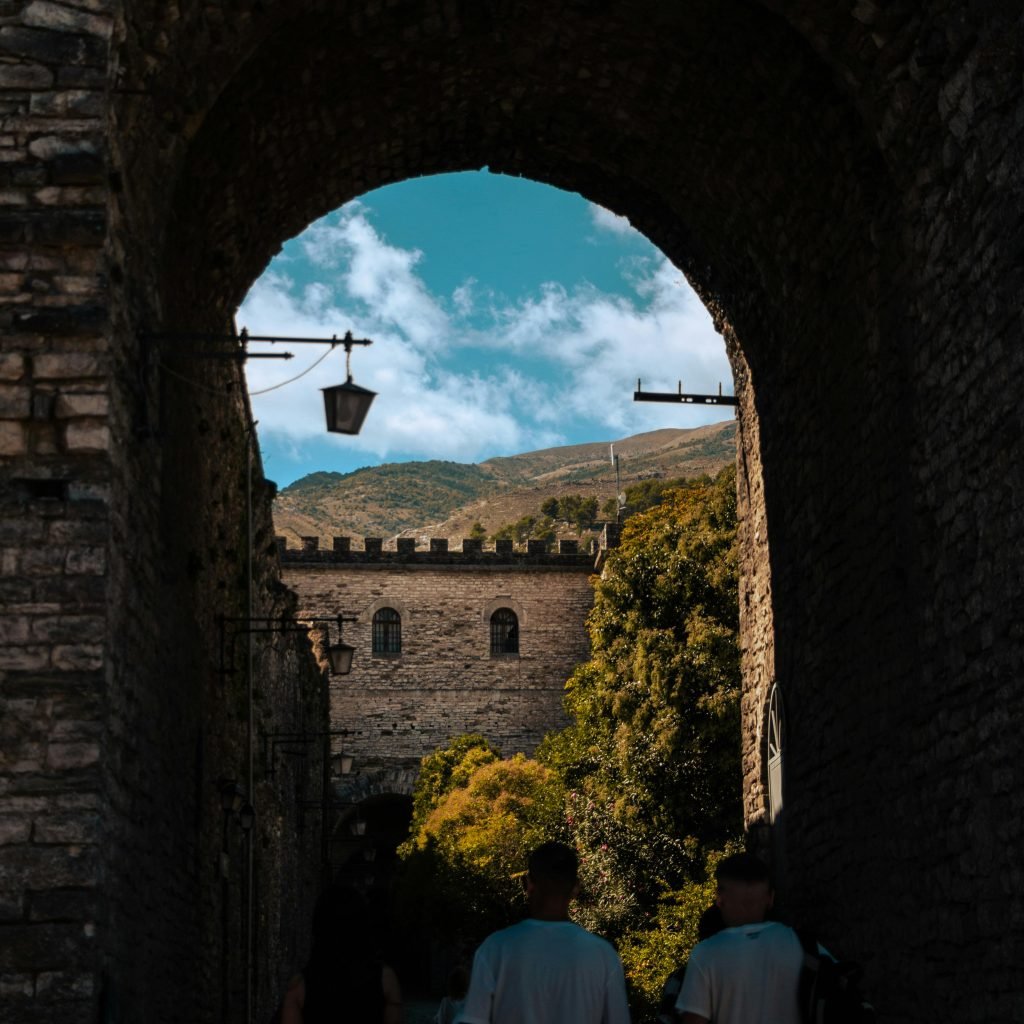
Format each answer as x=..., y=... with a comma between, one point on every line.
x=395, y=709
x=120, y=544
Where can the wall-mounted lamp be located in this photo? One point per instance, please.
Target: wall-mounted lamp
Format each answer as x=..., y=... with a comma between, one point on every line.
x=339, y=653
x=246, y=817
x=297, y=745
x=345, y=405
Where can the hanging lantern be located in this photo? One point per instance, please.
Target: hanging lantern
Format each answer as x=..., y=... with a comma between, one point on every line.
x=340, y=657
x=346, y=405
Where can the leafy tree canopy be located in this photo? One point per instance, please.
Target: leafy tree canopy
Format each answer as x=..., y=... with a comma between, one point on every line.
x=447, y=769
x=644, y=782
x=646, y=494
x=463, y=865
x=574, y=509
x=654, y=740
x=506, y=808
x=549, y=507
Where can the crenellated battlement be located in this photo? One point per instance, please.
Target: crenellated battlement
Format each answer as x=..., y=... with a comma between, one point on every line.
x=443, y=551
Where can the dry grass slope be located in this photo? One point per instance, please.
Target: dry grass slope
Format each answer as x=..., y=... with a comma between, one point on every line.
x=444, y=499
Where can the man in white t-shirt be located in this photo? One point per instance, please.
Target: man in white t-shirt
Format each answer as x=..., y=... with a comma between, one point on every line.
x=749, y=973
x=547, y=970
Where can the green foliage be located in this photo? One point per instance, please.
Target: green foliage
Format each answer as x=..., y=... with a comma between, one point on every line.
x=647, y=493
x=578, y=511
x=653, y=749
x=651, y=953
x=463, y=865
x=645, y=779
x=526, y=528
x=506, y=808
x=477, y=531
x=574, y=509
x=544, y=530
x=447, y=769
x=519, y=531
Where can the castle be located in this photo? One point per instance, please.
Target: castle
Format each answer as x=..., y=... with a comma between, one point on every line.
x=448, y=641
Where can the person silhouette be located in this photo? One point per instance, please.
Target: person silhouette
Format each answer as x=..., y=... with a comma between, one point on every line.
x=749, y=972
x=344, y=979
x=546, y=969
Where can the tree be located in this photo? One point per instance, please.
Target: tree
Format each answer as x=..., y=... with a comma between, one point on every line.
x=647, y=493
x=586, y=513
x=544, y=529
x=549, y=507
x=446, y=769
x=644, y=782
x=506, y=532
x=651, y=953
x=507, y=807
x=477, y=531
x=652, y=754
x=525, y=528
x=463, y=863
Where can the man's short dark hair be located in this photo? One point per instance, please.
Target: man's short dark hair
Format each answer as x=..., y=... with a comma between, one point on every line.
x=742, y=867
x=556, y=864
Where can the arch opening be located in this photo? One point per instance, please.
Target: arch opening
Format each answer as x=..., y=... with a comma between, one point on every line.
x=774, y=221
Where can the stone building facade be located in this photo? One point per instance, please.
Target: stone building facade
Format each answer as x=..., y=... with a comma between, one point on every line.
x=448, y=641
x=839, y=180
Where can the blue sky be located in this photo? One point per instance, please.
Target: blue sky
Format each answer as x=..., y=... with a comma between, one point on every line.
x=506, y=316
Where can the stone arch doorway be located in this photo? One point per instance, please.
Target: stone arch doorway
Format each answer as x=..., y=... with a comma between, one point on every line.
x=721, y=133
x=803, y=166
x=365, y=836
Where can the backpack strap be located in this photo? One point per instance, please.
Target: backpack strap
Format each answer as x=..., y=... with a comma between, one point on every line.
x=808, y=941
x=808, y=986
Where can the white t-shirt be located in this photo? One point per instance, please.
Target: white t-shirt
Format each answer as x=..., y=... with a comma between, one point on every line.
x=449, y=1010
x=745, y=975
x=546, y=972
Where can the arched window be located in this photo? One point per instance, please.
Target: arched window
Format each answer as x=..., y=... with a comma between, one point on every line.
x=387, y=631
x=504, y=632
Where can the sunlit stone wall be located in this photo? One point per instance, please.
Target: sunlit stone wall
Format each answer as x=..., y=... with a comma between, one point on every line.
x=396, y=708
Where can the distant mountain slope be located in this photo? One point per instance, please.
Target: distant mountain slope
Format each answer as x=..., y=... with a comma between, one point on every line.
x=444, y=499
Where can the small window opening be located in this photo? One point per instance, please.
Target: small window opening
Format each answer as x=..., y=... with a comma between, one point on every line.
x=504, y=632
x=387, y=631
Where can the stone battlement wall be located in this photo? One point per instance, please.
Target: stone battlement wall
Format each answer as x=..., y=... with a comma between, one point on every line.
x=441, y=551
x=396, y=708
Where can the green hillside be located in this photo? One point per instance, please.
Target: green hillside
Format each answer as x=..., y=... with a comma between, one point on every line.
x=444, y=499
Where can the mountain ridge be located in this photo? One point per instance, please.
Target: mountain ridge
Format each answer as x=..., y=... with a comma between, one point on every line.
x=439, y=498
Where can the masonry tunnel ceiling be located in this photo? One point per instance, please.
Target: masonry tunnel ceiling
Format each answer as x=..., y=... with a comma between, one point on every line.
x=716, y=130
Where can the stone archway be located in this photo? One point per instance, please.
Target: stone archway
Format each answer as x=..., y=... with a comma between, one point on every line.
x=840, y=185
x=724, y=135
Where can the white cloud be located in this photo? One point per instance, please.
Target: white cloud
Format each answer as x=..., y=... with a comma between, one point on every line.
x=380, y=278
x=603, y=343
x=463, y=297
x=607, y=221
x=467, y=378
